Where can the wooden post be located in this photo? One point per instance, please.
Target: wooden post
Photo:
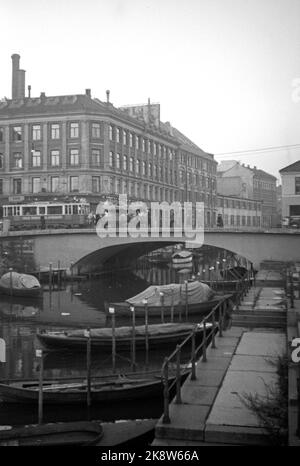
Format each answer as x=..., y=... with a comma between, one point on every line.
x=186, y=299
x=145, y=302
x=72, y=272
x=88, y=368
x=113, y=337
x=133, y=337
x=178, y=376
x=39, y=354
x=162, y=301
x=204, y=359
x=172, y=304
x=193, y=356
x=50, y=276
x=10, y=281
x=221, y=320
x=165, y=375
x=58, y=274
x=213, y=340
x=39, y=273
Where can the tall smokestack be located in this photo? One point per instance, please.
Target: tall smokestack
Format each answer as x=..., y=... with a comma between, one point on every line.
x=18, y=78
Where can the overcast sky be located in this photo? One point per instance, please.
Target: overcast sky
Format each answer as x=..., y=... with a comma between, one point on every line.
x=224, y=71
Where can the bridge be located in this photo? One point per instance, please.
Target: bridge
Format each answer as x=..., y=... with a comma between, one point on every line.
x=87, y=252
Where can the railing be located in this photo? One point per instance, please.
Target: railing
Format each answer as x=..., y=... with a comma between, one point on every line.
x=211, y=324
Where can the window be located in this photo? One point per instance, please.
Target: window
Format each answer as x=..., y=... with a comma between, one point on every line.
x=1, y=161
x=1, y=186
x=17, y=186
x=111, y=132
x=96, y=130
x=74, y=130
x=17, y=160
x=36, y=185
x=54, y=184
x=74, y=157
x=231, y=219
x=96, y=157
x=36, y=158
x=74, y=183
x=1, y=134
x=124, y=137
x=124, y=162
x=118, y=161
x=111, y=159
x=144, y=145
x=150, y=169
x=55, y=131
x=118, y=135
x=154, y=148
x=17, y=133
x=95, y=184
x=137, y=142
x=137, y=166
x=36, y=132
x=131, y=164
x=54, y=156
x=297, y=185
x=144, y=168
x=130, y=139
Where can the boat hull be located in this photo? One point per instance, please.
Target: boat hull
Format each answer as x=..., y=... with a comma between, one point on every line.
x=27, y=392
x=24, y=293
x=123, y=308
x=65, y=433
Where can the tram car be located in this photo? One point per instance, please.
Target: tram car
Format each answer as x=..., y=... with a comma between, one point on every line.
x=42, y=215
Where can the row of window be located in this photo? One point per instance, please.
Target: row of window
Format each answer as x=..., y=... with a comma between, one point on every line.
x=197, y=179
x=73, y=131
x=36, y=187
x=127, y=138
x=264, y=185
x=238, y=204
x=242, y=220
x=17, y=160
x=193, y=161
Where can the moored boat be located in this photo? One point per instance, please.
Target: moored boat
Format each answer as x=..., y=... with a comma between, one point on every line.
x=182, y=257
x=191, y=298
x=158, y=335
x=116, y=388
x=20, y=284
x=79, y=433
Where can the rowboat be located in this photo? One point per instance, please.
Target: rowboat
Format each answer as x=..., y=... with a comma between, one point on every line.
x=193, y=297
x=20, y=284
x=79, y=433
x=116, y=388
x=158, y=335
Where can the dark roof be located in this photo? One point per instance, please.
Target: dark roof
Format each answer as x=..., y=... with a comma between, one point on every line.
x=188, y=145
x=262, y=173
x=294, y=167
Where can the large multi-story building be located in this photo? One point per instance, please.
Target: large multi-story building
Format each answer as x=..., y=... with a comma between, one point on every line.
x=239, y=213
x=236, y=179
x=59, y=147
x=290, y=176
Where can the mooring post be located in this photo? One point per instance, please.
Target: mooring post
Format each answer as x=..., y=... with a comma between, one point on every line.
x=111, y=310
x=88, y=367
x=172, y=304
x=186, y=299
x=133, y=336
x=193, y=355
x=10, y=281
x=145, y=302
x=162, y=303
x=165, y=376
x=50, y=276
x=213, y=340
x=39, y=354
x=178, y=375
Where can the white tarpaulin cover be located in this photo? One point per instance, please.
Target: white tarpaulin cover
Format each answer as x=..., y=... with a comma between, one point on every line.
x=197, y=292
x=19, y=281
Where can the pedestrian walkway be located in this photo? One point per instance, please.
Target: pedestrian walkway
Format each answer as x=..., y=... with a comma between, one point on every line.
x=212, y=411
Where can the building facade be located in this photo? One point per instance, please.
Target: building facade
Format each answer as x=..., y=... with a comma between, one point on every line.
x=236, y=179
x=61, y=147
x=238, y=213
x=290, y=200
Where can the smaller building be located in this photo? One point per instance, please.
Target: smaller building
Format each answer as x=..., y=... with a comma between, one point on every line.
x=237, y=212
x=290, y=201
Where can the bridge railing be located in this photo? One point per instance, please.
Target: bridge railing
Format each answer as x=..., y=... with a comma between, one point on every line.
x=214, y=322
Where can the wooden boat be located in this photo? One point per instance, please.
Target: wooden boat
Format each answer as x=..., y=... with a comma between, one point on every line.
x=182, y=257
x=158, y=335
x=200, y=298
x=20, y=284
x=127, y=433
x=79, y=433
x=116, y=388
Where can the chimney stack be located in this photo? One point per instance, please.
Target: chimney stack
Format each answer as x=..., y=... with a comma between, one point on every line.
x=18, y=78
x=88, y=92
x=107, y=96
x=29, y=91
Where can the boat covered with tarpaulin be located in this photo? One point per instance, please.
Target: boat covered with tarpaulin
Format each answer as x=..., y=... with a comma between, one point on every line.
x=20, y=284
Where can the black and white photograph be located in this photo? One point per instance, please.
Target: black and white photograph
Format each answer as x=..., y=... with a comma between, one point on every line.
x=149, y=226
